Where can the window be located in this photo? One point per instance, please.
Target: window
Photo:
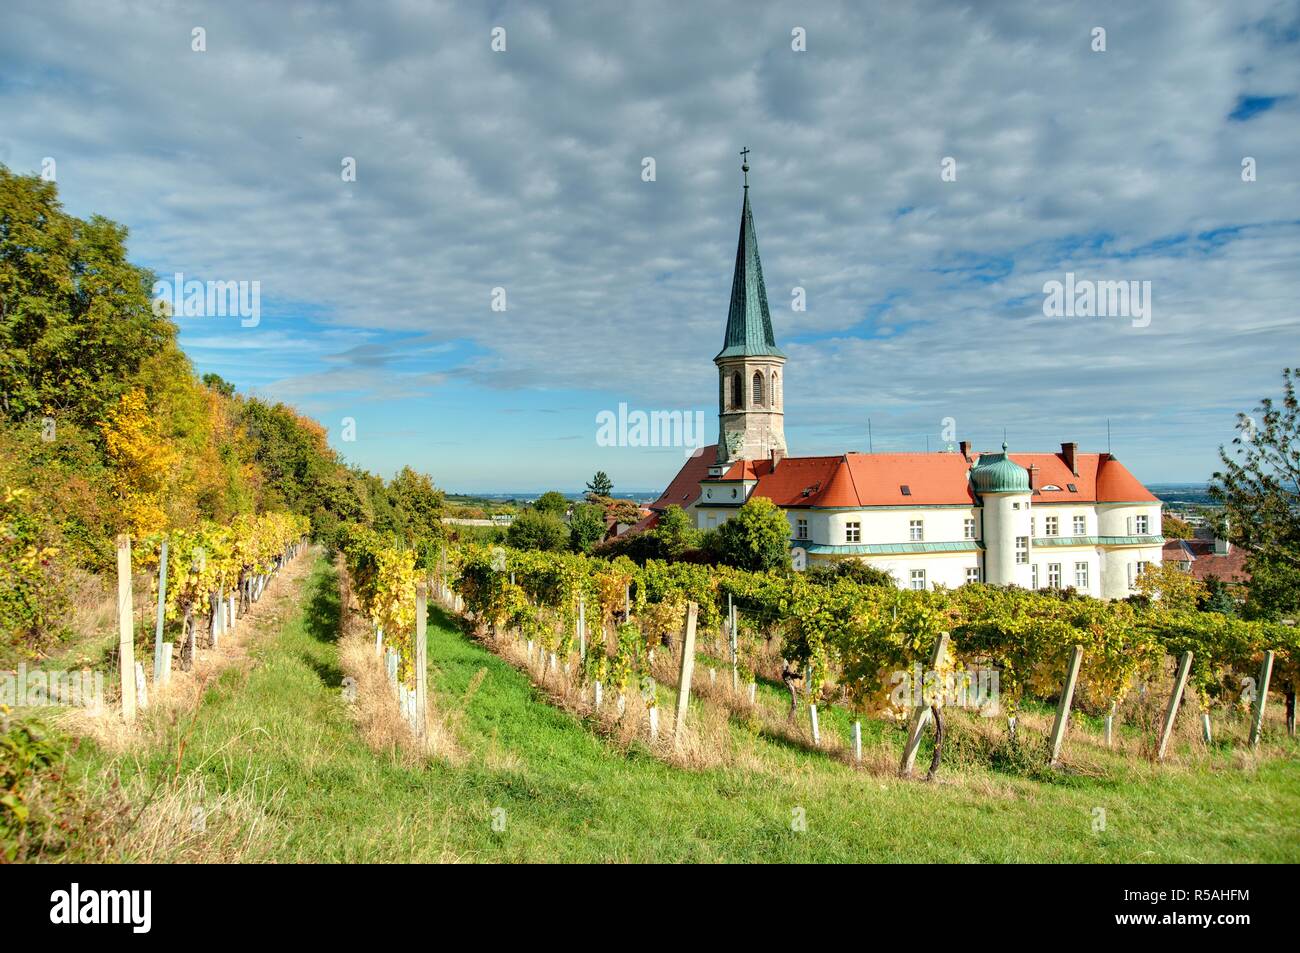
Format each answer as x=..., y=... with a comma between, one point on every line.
x=1053, y=526
x=972, y=574
x=1143, y=524
x=1081, y=526
x=801, y=528
x=1072, y=488
x=905, y=489
x=916, y=530
x=968, y=529
x=1054, y=575
x=1128, y=523
x=776, y=390
x=918, y=578
x=1033, y=576
x=758, y=389
x=1033, y=526
x=1081, y=575
x=1022, y=550
x=852, y=532
x=737, y=392
x=1141, y=567
x=713, y=520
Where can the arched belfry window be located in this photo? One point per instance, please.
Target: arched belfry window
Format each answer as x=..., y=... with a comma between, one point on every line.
x=758, y=388
x=737, y=392
x=776, y=390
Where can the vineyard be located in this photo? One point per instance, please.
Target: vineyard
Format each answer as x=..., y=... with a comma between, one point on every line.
x=602, y=633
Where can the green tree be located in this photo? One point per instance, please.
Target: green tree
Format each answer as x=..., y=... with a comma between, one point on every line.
x=586, y=527
x=76, y=321
x=600, y=484
x=553, y=502
x=675, y=533
x=1259, y=488
x=535, y=530
x=757, y=537
x=852, y=569
x=418, y=503
x=219, y=384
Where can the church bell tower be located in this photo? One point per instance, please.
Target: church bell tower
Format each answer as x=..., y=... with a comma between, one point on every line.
x=751, y=411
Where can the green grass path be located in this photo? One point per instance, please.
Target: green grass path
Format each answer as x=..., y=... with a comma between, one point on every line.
x=569, y=796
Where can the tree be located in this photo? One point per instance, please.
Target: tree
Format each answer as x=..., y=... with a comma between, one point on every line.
x=1177, y=590
x=586, y=527
x=1218, y=597
x=600, y=484
x=1171, y=527
x=219, y=384
x=757, y=537
x=552, y=501
x=675, y=532
x=76, y=321
x=418, y=503
x=535, y=530
x=1259, y=488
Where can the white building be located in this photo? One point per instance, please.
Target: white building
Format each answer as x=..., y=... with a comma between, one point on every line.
x=1037, y=520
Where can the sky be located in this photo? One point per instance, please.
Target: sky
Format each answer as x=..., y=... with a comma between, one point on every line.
x=524, y=169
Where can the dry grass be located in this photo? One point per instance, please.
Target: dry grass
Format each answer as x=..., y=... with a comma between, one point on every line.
x=375, y=709
x=183, y=693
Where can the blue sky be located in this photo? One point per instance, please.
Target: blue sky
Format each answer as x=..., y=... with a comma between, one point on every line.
x=522, y=169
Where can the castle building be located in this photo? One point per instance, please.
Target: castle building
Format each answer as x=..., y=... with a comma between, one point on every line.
x=1036, y=520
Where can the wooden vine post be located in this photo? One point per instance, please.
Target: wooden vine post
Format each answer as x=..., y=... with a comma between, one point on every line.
x=684, y=678
x=735, y=671
x=921, y=713
x=1063, y=709
x=125, y=634
x=1176, y=699
x=421, y=655
x=162, y=608
x=1261, y=699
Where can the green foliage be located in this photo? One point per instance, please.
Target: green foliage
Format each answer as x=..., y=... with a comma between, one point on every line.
x=757, y=537
x=600, y=484
x=675, y=533
x=855, y=570
x=1259, y=487
x=76, y=322
x=1171, y=527
x=586, y=527
x=553, y=502
x=535, y=530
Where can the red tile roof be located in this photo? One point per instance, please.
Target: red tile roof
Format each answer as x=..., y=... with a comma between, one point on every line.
x=1200, y=553
x=931, y=479
x=685, y=488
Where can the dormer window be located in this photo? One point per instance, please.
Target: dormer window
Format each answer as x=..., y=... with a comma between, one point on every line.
x=1051, y=486
x=905, y=490
x=1072, y=488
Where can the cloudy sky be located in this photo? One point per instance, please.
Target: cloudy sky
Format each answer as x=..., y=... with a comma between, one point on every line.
x=522, y=169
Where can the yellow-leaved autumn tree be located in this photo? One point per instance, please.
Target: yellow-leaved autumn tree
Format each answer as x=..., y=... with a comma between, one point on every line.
x=142, y=460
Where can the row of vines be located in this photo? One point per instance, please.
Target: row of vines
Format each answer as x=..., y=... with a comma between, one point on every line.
x=842, y=640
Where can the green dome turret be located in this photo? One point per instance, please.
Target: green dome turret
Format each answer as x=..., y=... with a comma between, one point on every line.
x=998, y=473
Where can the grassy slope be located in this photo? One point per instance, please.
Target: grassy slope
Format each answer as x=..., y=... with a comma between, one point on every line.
x=569, y=796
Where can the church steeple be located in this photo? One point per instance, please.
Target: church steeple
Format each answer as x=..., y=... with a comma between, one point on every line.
x=749, y=324
x=751, y=413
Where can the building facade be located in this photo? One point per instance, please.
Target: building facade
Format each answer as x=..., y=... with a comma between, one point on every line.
x=1036, y=520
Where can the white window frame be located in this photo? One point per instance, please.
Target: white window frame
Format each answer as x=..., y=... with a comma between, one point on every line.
x=1081, y=526
x=853, y=532
x=1033, y=576
x=915, y=576
x=1052, y=526
x=1053, y=573
x=1081, y=575
x=968, y=528
x=1142, y=526
x=972, y=574
x=1022, y=550
x=801, y=528
x=916, y=531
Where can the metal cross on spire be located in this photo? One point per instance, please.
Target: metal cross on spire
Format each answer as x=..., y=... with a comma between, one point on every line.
x=744, y=159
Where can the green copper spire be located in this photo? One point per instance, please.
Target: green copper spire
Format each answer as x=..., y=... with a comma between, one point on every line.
x=749, y=325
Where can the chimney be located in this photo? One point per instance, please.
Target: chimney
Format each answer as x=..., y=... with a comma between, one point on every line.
x=964, y=447
x=1221, y=546
x=1068, y=452
x=777, y=456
